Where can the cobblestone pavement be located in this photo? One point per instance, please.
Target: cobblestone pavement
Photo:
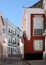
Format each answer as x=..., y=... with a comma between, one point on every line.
x=14, y=61
x=37, y=62
x=19, y=61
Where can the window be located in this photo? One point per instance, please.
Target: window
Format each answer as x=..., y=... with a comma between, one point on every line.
x=9, y=39
x=15, y=32
x=9, y=30
x=3, y=30
x=24, y=35
x=38, y=45
x=18, y=35
x=15, y=40
x=9, y=49
x=15, y=50
x=18, y=44
x=38, y=25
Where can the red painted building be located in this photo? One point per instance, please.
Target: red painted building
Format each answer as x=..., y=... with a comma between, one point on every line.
x=33, y=26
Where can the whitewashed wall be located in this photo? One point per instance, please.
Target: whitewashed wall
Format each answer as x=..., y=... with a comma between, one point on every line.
x=44, y=4
x=28, y=19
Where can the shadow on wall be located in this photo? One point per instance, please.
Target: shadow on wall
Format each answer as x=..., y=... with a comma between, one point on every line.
x=44, y=56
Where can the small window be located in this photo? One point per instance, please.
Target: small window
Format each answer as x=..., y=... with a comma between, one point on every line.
x=3, y=30
x=18, y=35
x=10, y=41
x=9, y=49
x=9, y=30
x=38, y=26
x=15, y=32
x=38, y=45
x=15, y=50
x=13, y=42
x=18, y=44
x=38, y=31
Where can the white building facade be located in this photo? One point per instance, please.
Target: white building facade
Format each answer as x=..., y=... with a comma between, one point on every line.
x=11, y=36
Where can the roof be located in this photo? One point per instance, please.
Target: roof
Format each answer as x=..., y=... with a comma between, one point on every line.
x=2, y=20
x=39, y=4
x=19, y=29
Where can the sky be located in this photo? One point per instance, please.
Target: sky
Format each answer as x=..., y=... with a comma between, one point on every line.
x=13, y=9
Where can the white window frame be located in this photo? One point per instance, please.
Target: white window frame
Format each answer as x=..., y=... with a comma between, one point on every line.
x=36, y=45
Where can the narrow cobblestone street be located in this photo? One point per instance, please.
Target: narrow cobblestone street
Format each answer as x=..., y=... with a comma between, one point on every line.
x=14, y=61
x=19, y=61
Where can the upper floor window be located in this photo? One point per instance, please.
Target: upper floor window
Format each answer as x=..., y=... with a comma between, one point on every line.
x=18, y=35
x=3, y=30
x=15, y=32
x=15, y=50
x=9, y=49
x=13, y=42
x=38, y=25
x=9, y=30
x=18, y=44
x=9, y=39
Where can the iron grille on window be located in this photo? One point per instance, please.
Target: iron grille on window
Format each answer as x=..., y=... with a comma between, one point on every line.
x=38, y=31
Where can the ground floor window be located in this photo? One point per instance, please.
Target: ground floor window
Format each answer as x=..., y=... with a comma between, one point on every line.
x=38, y=45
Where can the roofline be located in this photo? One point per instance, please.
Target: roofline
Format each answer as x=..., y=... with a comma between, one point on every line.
x=19, y=29
x=2, y=20
x=33, y=4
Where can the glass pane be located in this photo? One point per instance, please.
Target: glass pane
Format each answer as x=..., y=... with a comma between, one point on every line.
x=38, y=31
x=38, y=45
x=38, y=25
